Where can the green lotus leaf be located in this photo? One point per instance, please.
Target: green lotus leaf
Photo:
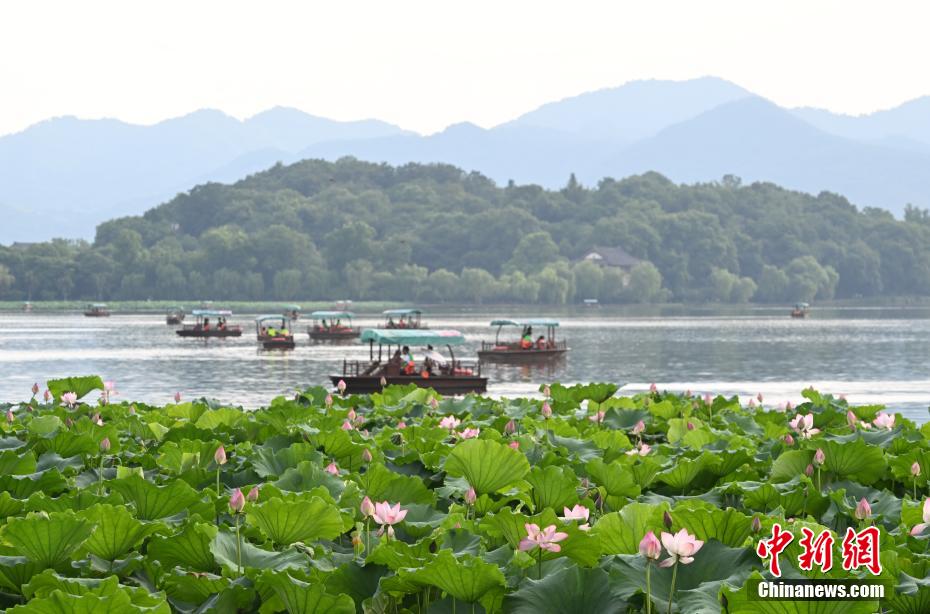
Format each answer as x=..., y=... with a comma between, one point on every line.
x=44, y=426
x=683, y=472
x=303, y=598
x=725, y=462
x=620, y=532
x=338, y=444
x=421, y=519
x=223, y=548
x=580, y=546
x=67, y=444
x=12, y=463
x=571, y=589
x=22, y=486
x=790, y=465
x=269, y=462
x=739, y=601
x=854, y=460
x=395, y=554
x=116, y=533
x=16, y=571
x=615, y=477
x=189, y=549
x=47, y=539
x=222, y=417
x=487, y=465
x=553, y=487
x=74, y=501
x=80, y=386
x=910, y=595
x=663, y=409
x=730, y=527
x=194, y=588
x=582, y=392
x=357, y=581
x=153, y=502
x=307, y=476
x=288, y=522
x=466, y=578
x=382, y=484
x=9, y=506
x=52, y=460
x=581, y=449
x=59, y=602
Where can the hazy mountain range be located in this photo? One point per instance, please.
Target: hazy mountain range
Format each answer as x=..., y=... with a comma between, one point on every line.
x=63, y=176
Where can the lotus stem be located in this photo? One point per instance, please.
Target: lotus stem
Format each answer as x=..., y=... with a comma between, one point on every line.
x=648, y=589
x=367, y=537
x=539, y=565
x=819, y=481
x=238, y=549
x=100, y=476
x=671, y=592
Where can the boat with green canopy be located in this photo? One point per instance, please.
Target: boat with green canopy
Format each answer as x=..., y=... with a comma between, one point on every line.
x=97, y=310
x=385, y=367
x=210, y=323
x=292, y=311
x=273, y=333
x=403, y=319
x=528, y=347
x=175, y=316
x=332, y=326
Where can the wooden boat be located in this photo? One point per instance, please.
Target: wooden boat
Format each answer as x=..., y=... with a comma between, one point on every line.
x=292, y=312
x=97, y=310
x=273, y=334
x=384, y=368
x=404, y=319
x=544, y=347
x=27, y=306
x=174, y=316
x=800, y=310
x=329, y=326
x=205, y=328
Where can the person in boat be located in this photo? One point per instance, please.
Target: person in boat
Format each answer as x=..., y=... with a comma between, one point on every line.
x=390, y=322
x=541, y=342
x=428, y=362
x=221, y=324
x=526, y=342
x=338, y=325
x=406, y=358
x=206, y=324
x=264, y=331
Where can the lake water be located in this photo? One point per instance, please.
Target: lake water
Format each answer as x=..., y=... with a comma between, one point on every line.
x=870, y=355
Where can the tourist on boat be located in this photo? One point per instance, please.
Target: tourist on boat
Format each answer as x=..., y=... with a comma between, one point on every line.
x=206, y=323
x=406, y=358
x=541, y=342
x=527, y=341
x=323, y=323
x=221, y=324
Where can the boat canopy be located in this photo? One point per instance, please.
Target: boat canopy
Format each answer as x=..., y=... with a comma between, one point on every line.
x=270, y=317
x=402, y=312
x=801, y=305
x=528, y=322
x=292, y=307
x=211, y=313
x=323, y=315
x=416, y=336
x=97, y=305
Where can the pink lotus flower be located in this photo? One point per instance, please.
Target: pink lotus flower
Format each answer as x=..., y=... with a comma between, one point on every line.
x=9, y=416
x=789, y=440
x=819, y=457
x=347, y=426
x=919, y=528
x=450, y=423
x=332, y=469
x=546, y=410
x=105, y=444
x=809, y=470
x=366, y=455
x=598, y=417
x=401, y=425
x=328, y=400
x=759, y=397
x=351, y=415
x=653, y=388
x=578, y=512
x=341, y=386
x=220, y=456
x=253, y=494
x=642, y=450
x=851, y=419
x=915, y=469
x=69, y=399
x=547, y=392
x=385, y=514
x=237, y=501
x=177, y=397
x=884, y=421
x=690, y=425
x=682, y=547
x=469, y=433
x=367, y=507
x=35, y=389
x=650, y=547
x=511, y=427
x=47, y=396
x=433, y=403
x=804, y=425
x=547, y=539
x=756, y=525
x=514, y=445
x=708, y=400
x=109, y=389
x=639, y=428
x=751, y=403
x=863, y=509
x=471, y=496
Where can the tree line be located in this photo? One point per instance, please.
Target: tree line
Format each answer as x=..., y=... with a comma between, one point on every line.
x=318, y=230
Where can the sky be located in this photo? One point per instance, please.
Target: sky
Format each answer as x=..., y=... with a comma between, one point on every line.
x=426, y=64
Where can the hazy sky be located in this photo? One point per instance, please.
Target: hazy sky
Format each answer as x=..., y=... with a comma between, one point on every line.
x=426, y=64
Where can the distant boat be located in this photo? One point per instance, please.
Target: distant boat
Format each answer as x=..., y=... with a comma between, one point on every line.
x=27, y=306
x=544, y=347
x=332, y=326
x=403, y=319
x=591, y=302
x=174, y=316
x=292, y=312
x=204, y=328
x=97, y=310
x=273, y=334
x=800, y=310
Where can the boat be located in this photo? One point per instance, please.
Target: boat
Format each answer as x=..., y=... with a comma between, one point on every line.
x=273, y=334
x=97, y=310
x=800, y=310
x=403, y=319
x=446, y=376
x=292, y=312
x=175, y=316
x=205, y=328
x=591, y=302
x=544, y=347
x=27, y=306
x=328, y=326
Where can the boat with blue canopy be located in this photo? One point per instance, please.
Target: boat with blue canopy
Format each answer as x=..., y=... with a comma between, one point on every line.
x=97, y=310
x=175, y=316
x=292, y=311
x=210, y=323
x=800, y=310
x=528, y=347
x=332, y=326
x=273, y=333
x=394, y=363
x=403, y=319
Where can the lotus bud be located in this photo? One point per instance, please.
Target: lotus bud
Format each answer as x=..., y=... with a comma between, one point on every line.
x=105, y=444
x=759, y=397
x=220, y=456
x=751, y=403
x=29, y=408
x=546, y=409
x=341, y=386
x=756, y=524
x=383, y=381
x=177, y=397
x=809, y=470
x=433, y=403
x=639, y=428
x=863, y=509
x=253, y=494
x=688, y=394
x=35, y=389
x=514, y=445
x=511, y=427
x=401, y=425
x=332, y=469
x=650, y=547
x=690, y=426
x=237, y=501
x=547, y=392
x=346, y=425
x=47, y=396
x=708, y=399
x=366, y=455
x=915, y=469
x=667, y=520
x=9, y=416
x=653, y=388
x=367, y=507
x=132, y=410
x=851, y=419
x=351, y=415
x=788, y=406
x=789, y=440
x=819, y=457
x=390, y=531
x=471, y=496
x=328, y=400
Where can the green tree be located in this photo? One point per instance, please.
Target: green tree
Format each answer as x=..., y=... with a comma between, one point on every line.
x=533, y=253
x=287, y=284
x=477, y=285
x=588, y=279
x=645, y=284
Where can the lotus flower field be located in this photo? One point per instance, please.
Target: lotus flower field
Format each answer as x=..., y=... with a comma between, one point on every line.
x=581, y=501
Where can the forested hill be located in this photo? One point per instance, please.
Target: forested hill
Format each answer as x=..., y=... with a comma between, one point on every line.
x=431, y=233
